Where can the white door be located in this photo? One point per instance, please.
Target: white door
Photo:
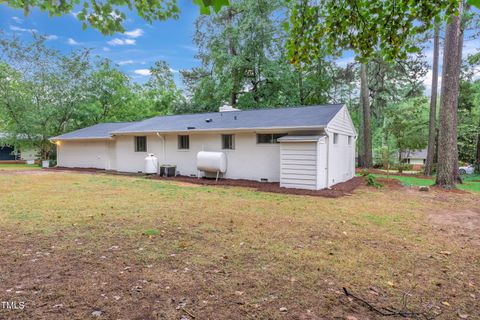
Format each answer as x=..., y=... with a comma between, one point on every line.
x=298, y=165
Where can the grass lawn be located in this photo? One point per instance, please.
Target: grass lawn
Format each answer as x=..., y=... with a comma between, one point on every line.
x=470, y=182
x=121, y=247
x=7, y=166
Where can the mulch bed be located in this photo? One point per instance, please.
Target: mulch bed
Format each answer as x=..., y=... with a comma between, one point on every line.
x=339, y=190
x=336, y=191
x=393, y=173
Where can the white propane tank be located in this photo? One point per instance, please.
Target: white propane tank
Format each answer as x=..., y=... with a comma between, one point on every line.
x=151, y=164
x=211, y=161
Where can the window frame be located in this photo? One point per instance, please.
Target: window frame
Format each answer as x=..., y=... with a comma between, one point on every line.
x=137, y=144
x=179, y=142
x=335, y=138
x=273, y=139
x=349, y=140
x=232, y=142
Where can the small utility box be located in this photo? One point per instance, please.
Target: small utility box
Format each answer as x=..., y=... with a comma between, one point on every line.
x=167, y=170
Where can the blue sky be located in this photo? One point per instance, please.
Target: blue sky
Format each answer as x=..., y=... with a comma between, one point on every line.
x=135, y=51
x=142, y=44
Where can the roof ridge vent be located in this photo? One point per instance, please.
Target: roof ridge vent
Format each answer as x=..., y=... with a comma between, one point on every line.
x=227, y=108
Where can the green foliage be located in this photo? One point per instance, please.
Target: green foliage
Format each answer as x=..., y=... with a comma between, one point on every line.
x=245, y=64
x=407, y=122
x=372, y=181
x=44, y=93
x=400, y=167
x=109, y=16
x=469, y=120
x=363, y=26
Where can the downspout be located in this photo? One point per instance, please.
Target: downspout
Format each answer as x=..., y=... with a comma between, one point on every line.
x=164, y=148
x=328, y=157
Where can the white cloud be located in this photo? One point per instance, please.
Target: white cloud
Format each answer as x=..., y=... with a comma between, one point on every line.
x=15, y=28
x=173, y=70
x=72, y=42
x=142, y=72
x=134, y=33
x=51, y=37
x=106, y=49
x=17, y=19
x=121, y=42
x=124, y=62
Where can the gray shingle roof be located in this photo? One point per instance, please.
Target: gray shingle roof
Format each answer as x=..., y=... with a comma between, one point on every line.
x=294, y=117
x=98, y=131
x=312, y=116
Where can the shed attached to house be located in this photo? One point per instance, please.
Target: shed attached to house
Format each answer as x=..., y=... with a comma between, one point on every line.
x=300, y=147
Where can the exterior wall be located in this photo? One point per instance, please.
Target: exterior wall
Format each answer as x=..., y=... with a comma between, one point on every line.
x=322, y=163
x=417, y=161
x=249, y=160
x=298, y=161
x=341, y=156
x=82, y=154
x=29, y=154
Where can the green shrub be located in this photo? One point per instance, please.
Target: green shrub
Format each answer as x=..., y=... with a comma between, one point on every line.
x=372, y=181
x=402, y=167
x=364, y=172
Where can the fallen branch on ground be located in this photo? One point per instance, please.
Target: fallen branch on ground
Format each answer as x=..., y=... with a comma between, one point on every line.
x=391, y=312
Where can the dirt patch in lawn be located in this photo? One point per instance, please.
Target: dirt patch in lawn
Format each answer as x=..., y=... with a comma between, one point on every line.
x=336, y=191
x=463, y=223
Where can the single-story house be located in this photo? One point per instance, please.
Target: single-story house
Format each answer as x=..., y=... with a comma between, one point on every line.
x=10, y=153
x=301, y=147
x=416, y=158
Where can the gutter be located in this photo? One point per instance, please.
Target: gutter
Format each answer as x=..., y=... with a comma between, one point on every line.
x=220, y=130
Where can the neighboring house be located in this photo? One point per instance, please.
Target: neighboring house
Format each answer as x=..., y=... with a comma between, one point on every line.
x=10, y=153
x=302, y=147
x=416, y=158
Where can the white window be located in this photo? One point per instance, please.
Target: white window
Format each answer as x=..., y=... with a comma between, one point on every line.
x=269, y=137
x=141, y=144
x=228, y=141
x=183, y=142
x=335, y=138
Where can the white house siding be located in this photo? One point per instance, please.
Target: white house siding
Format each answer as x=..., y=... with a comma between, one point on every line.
x=341, y=160
x=416, y=161
x=298, y=161
x=82, y=154
x=111, y=163
x=249, y=160
x=322, y=164
x=29, y=154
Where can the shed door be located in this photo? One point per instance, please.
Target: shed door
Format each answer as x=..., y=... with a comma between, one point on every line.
x=298, y=165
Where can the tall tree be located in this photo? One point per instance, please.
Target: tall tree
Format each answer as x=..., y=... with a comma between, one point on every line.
x=366, y=118
x=432, y=123
x=447, y=169
x=245, y=62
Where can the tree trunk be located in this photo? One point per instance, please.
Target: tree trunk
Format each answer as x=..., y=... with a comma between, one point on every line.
x=367, y=130
x=361, y=151
x=477, y=158
x=447, y=144
x=432, y=124
x=232, y=52
x=460, y=53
